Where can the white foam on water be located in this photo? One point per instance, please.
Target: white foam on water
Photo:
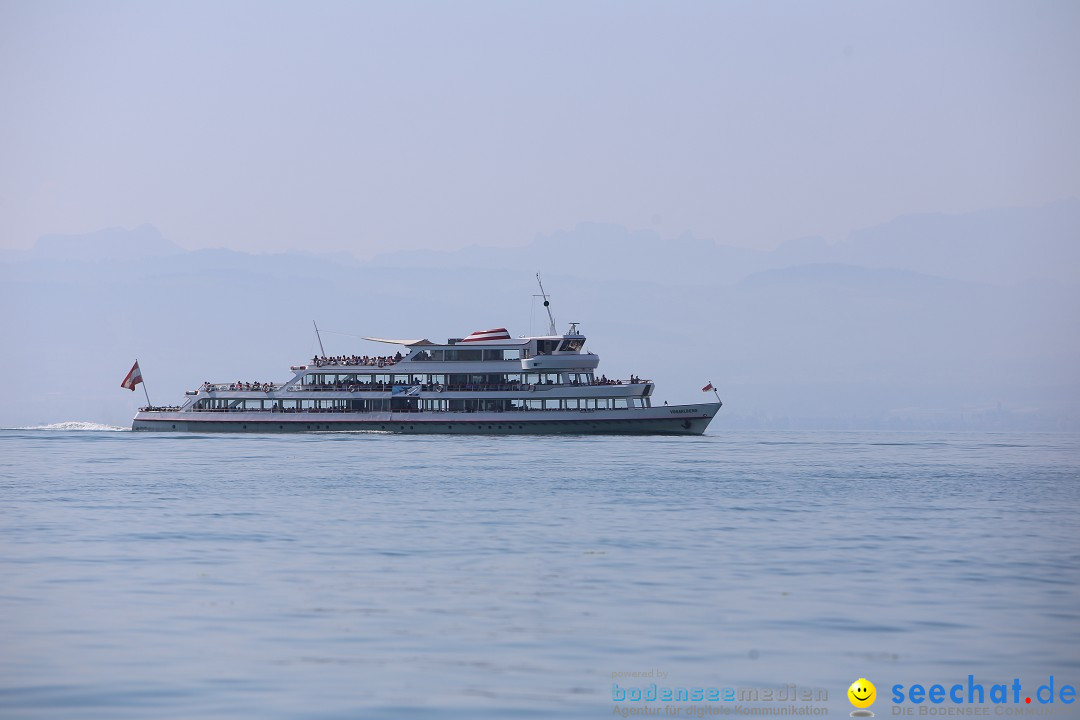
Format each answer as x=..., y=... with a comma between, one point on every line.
x=76, y=425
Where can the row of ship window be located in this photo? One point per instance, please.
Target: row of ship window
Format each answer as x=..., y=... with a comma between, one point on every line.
x=466, y=355
x=460, y=354
x=522, y=378
x=408, y=404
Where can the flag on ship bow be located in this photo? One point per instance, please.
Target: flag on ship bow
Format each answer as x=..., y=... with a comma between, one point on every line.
x=707, y=388
x=133, y=378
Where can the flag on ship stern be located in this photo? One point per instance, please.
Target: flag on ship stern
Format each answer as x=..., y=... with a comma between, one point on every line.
x=707, y=388
x=134, y=377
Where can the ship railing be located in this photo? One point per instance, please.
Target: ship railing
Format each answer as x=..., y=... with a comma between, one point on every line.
x=465, y=387
x=354, y=361
x=634, y=380
x=239, y=387
x=424, y=387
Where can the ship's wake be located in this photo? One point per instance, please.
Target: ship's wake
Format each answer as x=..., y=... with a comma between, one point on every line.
x=76, y=425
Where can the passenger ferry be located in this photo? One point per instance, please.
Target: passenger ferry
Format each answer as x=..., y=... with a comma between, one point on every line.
x=485, y=383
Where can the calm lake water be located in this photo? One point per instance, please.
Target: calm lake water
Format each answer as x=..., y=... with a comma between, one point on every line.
x=379, y=576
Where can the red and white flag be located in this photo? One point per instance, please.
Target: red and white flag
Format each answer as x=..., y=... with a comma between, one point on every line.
x=496, y=334
x=134, y=377
x=707, y=388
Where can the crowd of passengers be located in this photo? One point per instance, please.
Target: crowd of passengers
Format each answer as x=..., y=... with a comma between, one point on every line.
x=368, y=360
x=238, y=385
x=603, y=380
x=515, y=385
x=355, y=386
x=275, y=408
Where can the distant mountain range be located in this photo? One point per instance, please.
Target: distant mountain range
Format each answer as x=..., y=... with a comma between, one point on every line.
x=929, y=321
x=1006, y=247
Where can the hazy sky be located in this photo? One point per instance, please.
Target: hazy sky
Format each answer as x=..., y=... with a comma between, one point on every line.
x=375, y=126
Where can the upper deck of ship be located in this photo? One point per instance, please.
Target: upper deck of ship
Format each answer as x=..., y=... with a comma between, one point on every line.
x=487, y=350
x=488, y=360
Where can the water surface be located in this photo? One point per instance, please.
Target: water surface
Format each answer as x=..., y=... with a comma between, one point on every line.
x=368, y=575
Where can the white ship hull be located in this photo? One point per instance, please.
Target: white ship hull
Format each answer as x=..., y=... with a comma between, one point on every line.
x=664, y=420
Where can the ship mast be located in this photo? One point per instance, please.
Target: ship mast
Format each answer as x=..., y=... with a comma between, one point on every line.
x=547, y=306
x=319, y=337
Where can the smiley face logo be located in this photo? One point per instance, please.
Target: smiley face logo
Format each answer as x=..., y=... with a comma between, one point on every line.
x=862, y=693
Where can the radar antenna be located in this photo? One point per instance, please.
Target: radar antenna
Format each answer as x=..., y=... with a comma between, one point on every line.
x=547, y=306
